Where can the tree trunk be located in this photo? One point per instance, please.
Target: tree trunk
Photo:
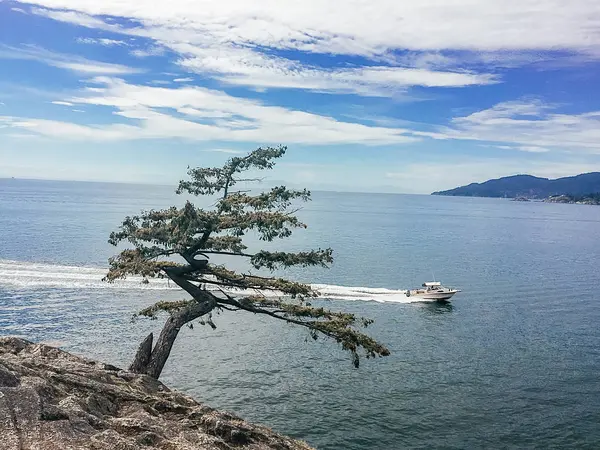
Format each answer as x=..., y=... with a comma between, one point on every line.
x=162, y=348
x=153, y=363
x=170, y=330
x=142, y=357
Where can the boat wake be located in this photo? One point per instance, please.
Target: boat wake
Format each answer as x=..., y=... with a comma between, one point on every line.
x=26, y=275
x=380, y=295
x=31, y=275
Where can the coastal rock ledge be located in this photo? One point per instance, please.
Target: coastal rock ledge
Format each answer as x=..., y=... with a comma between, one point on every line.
x=50, y=399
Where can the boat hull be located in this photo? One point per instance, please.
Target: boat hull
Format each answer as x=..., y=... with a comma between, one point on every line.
x=439, y=296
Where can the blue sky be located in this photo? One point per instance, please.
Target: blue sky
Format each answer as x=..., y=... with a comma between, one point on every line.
x=367, y=95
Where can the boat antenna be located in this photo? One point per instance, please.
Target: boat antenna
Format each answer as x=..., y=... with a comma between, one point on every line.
x=433, y=275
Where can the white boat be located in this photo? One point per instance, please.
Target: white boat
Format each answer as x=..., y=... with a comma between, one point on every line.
x=432, y=290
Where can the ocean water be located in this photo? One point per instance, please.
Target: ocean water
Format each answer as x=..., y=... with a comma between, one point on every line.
x=512, y=362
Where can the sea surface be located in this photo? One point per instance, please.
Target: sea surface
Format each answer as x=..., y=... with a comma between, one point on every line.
x=512, y=362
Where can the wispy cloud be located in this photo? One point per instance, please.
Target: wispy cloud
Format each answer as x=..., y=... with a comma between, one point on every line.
x=372, y=81
x=74, y=17
x=183, y=80
x=102, y=41
x=225, y=150
x=366, y=28
x=233, y=55
x=521, y=148
x=236, y=42
x=529, y=126
x=60, y=102
x=201, y=114
x=148, y=52
x=63, y=61
x=533, y=149
x=247, y=67
x=19, y=10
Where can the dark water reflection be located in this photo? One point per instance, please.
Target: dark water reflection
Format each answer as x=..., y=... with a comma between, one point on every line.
x=436, y=308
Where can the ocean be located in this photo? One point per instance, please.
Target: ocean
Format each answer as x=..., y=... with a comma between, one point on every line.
x=512, y=362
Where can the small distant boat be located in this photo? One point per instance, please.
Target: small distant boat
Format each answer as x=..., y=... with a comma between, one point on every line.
x=432, y=290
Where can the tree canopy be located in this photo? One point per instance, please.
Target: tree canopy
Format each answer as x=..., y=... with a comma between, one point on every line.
x=178, y=243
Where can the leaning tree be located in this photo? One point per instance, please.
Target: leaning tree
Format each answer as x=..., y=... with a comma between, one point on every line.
x=177, y=243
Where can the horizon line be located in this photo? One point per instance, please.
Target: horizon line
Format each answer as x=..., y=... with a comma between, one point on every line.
x=141, y=183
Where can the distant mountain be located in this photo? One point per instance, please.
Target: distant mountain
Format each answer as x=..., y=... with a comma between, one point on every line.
x=530, y=187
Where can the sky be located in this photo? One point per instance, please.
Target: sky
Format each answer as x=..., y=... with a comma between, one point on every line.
x=368, y=95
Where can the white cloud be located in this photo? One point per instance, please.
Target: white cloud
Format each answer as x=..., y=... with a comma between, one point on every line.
x=91, y=67
x=65, y=130
x=522, y=148
x=244, y=66
x=202, y=114
x=102, y=41
x=149, y=51
x=229, y=49
x=19, y=10
x=425, y=43
x=183, y=80
x=63, y=61
x=373, y=81
x=60, y=102
x=365, y=27
x=75, y=18
x=225, y=150
x=533, y=149
x=529, y=125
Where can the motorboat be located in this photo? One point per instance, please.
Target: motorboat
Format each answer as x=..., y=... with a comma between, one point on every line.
x=432, y=290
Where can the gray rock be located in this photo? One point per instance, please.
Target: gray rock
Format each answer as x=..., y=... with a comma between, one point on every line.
x=50, y=399
x=7, y=378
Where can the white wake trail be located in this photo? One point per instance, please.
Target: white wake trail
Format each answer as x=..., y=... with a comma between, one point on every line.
x=28, y=275
x=32, y=275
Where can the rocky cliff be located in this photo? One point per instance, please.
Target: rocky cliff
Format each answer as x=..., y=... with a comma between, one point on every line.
x=52, y=400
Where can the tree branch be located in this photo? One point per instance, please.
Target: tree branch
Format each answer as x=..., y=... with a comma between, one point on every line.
x=308, y=324
x=177, y=274
x=215, y=252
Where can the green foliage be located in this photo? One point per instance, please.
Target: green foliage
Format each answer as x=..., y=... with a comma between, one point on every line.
x=193, y=235
x=224, y=277
x=274, y=260
x=163, y=306
x=137, y=261
x=209, y=181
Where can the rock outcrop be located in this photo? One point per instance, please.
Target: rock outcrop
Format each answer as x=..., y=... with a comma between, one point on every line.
x=52, y=400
